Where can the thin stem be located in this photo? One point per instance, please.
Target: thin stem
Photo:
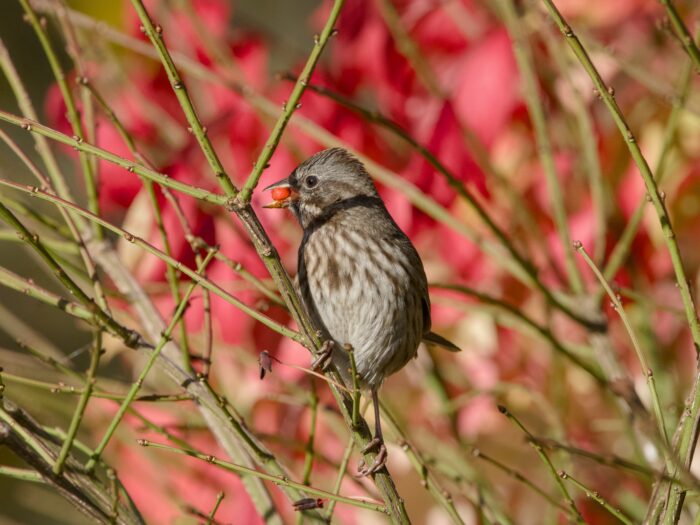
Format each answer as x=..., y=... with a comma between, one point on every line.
x=72, y=110
x=530, y=89
x=27, y=109
x=310, y=453
x=64, y=247
x=27, y=437
x=160, y=178
x=586, y=135
x=133, y=391
x=682, y=33
x=246, y=275
x=227, y=426
x=28, y=440
x=518, y=477
x=442, y=496
x=315, y=374
x=657, y=85
x=277, y=480
x=155, y=35
x=60, y=388
x=622, y=249
x=208, y=330
x=21, y=474
x=342, y=468
x=219, y=499
x=87, y=110
x=229, y=431
x=641, y=355
x=610, y=460
x=419, y=464
x=572, y=511
x=407, y=47
x=292, y=103
x=92, y=275
x=47, y=223
x=31, y=289
x=595, y=496
x=82, y=404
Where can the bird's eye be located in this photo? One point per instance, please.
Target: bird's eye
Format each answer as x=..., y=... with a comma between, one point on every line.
x=311, y=181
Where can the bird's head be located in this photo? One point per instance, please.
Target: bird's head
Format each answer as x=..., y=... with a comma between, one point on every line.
x=325, y=180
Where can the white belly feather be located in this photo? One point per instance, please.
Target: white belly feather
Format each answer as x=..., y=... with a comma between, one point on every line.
x=371, y=302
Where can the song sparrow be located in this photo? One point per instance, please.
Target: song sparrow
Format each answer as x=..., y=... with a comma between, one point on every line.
x=360, y=278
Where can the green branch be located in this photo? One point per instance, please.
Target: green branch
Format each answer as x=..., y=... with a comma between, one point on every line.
x=572, y=511
x=595, y=496
x=682, y=33
x=622, y=249
x=518, y=476
x=72, y=110
x=129, y=165
x=292, y=103
x=31, y=289
x=82, y=404
x=277, y=480
x=155, y=35
x=641, y=355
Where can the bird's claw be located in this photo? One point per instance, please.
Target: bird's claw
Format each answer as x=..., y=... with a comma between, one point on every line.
x=324, y=356
x=379, y=460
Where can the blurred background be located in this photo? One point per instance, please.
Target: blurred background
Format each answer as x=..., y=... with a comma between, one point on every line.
x=493, y=157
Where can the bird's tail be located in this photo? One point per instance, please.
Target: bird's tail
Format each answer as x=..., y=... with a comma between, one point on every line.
x=433, y=339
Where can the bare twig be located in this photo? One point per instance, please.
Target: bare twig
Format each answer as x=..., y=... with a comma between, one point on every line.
x=572, y=509
x=595, y=496
x=682, y=33
x=278, y=480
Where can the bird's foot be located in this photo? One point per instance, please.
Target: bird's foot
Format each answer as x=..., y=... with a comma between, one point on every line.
x=379, y=460
x=324, y=356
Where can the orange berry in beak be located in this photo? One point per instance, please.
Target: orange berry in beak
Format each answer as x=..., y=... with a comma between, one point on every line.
x=279, y=194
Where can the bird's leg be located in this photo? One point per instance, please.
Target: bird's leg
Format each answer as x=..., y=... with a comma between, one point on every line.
x=323, y=357
x=376, y=443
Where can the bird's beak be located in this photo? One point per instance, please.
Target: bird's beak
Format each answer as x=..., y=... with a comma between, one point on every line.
x=284, y=198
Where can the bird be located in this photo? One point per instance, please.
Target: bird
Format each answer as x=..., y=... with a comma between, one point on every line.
x=359, y=277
